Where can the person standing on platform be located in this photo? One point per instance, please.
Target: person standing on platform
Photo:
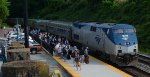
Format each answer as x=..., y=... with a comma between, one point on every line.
x=69, y=52
x=56, y=48
x=5, y=31
x=77, y=60
x=86, y=60
x=64, y=52
x=60, y=51
x=82, y=55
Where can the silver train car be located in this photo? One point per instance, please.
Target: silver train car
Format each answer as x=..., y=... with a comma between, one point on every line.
x=56, y=27
x=114, y=42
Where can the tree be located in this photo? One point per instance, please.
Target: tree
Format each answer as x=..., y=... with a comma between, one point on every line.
x=4, y=11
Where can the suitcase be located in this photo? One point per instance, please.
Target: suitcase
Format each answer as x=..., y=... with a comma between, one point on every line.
x=68, y=57
x=86, y=60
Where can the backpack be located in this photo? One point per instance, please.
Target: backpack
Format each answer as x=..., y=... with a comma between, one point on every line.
x=77, y=58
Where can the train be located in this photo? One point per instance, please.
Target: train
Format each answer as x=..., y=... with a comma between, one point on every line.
x=117, y=43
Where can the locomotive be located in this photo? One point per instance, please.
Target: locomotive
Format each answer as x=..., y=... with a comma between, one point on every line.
x=114, y=42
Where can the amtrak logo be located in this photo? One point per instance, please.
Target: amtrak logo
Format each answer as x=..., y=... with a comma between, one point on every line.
x=125, y=37
x=97, y=38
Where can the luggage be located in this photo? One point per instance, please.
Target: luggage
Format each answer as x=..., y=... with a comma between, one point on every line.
x=86, y=60
x=73, y=55
x=69, y=52
x=68, y=57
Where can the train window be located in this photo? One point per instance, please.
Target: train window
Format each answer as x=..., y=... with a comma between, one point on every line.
x=50, y=27
x=118, y=30
x=93, y=29
x=78, y=25
x=76, y=36
x=129, y=30
x=61, y=30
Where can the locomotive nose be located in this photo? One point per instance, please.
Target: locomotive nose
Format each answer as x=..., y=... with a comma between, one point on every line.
x=127, y=50
x=127, y=58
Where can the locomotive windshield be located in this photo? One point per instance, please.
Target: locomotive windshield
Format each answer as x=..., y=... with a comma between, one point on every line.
x=123, y=30
x=118, y=30
x=129, y=30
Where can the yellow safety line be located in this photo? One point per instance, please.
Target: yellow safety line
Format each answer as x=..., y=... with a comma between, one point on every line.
x=67, y=67
x=113, y=68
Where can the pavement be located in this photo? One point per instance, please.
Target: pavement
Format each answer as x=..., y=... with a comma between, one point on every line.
x=95, y=68
x=53, y=65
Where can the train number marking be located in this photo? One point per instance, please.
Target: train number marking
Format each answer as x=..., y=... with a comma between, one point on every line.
x=125, y=37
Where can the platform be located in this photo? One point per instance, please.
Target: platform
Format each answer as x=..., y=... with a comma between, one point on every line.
x=95, y=68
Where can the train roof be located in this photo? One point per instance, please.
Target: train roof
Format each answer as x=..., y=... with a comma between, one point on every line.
x=115, y=26
x=36, y=20
x=61, y=23
x=122, y=26
x=102, y=25
x=82, y=24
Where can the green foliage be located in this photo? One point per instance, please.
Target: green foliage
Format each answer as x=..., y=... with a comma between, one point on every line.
x=4, y=12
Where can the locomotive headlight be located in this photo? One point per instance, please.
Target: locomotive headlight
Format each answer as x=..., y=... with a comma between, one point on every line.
x=127, y=43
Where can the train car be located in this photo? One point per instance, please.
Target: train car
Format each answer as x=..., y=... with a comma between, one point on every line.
x=116, y=42
x=56, y=27
x=41, y=24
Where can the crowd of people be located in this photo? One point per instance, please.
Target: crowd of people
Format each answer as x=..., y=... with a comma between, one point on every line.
x=64, y=49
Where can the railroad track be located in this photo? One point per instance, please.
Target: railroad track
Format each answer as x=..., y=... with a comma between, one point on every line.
x=135, y=71
x=144, y=59
x=138, y=69
x=141, y=68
